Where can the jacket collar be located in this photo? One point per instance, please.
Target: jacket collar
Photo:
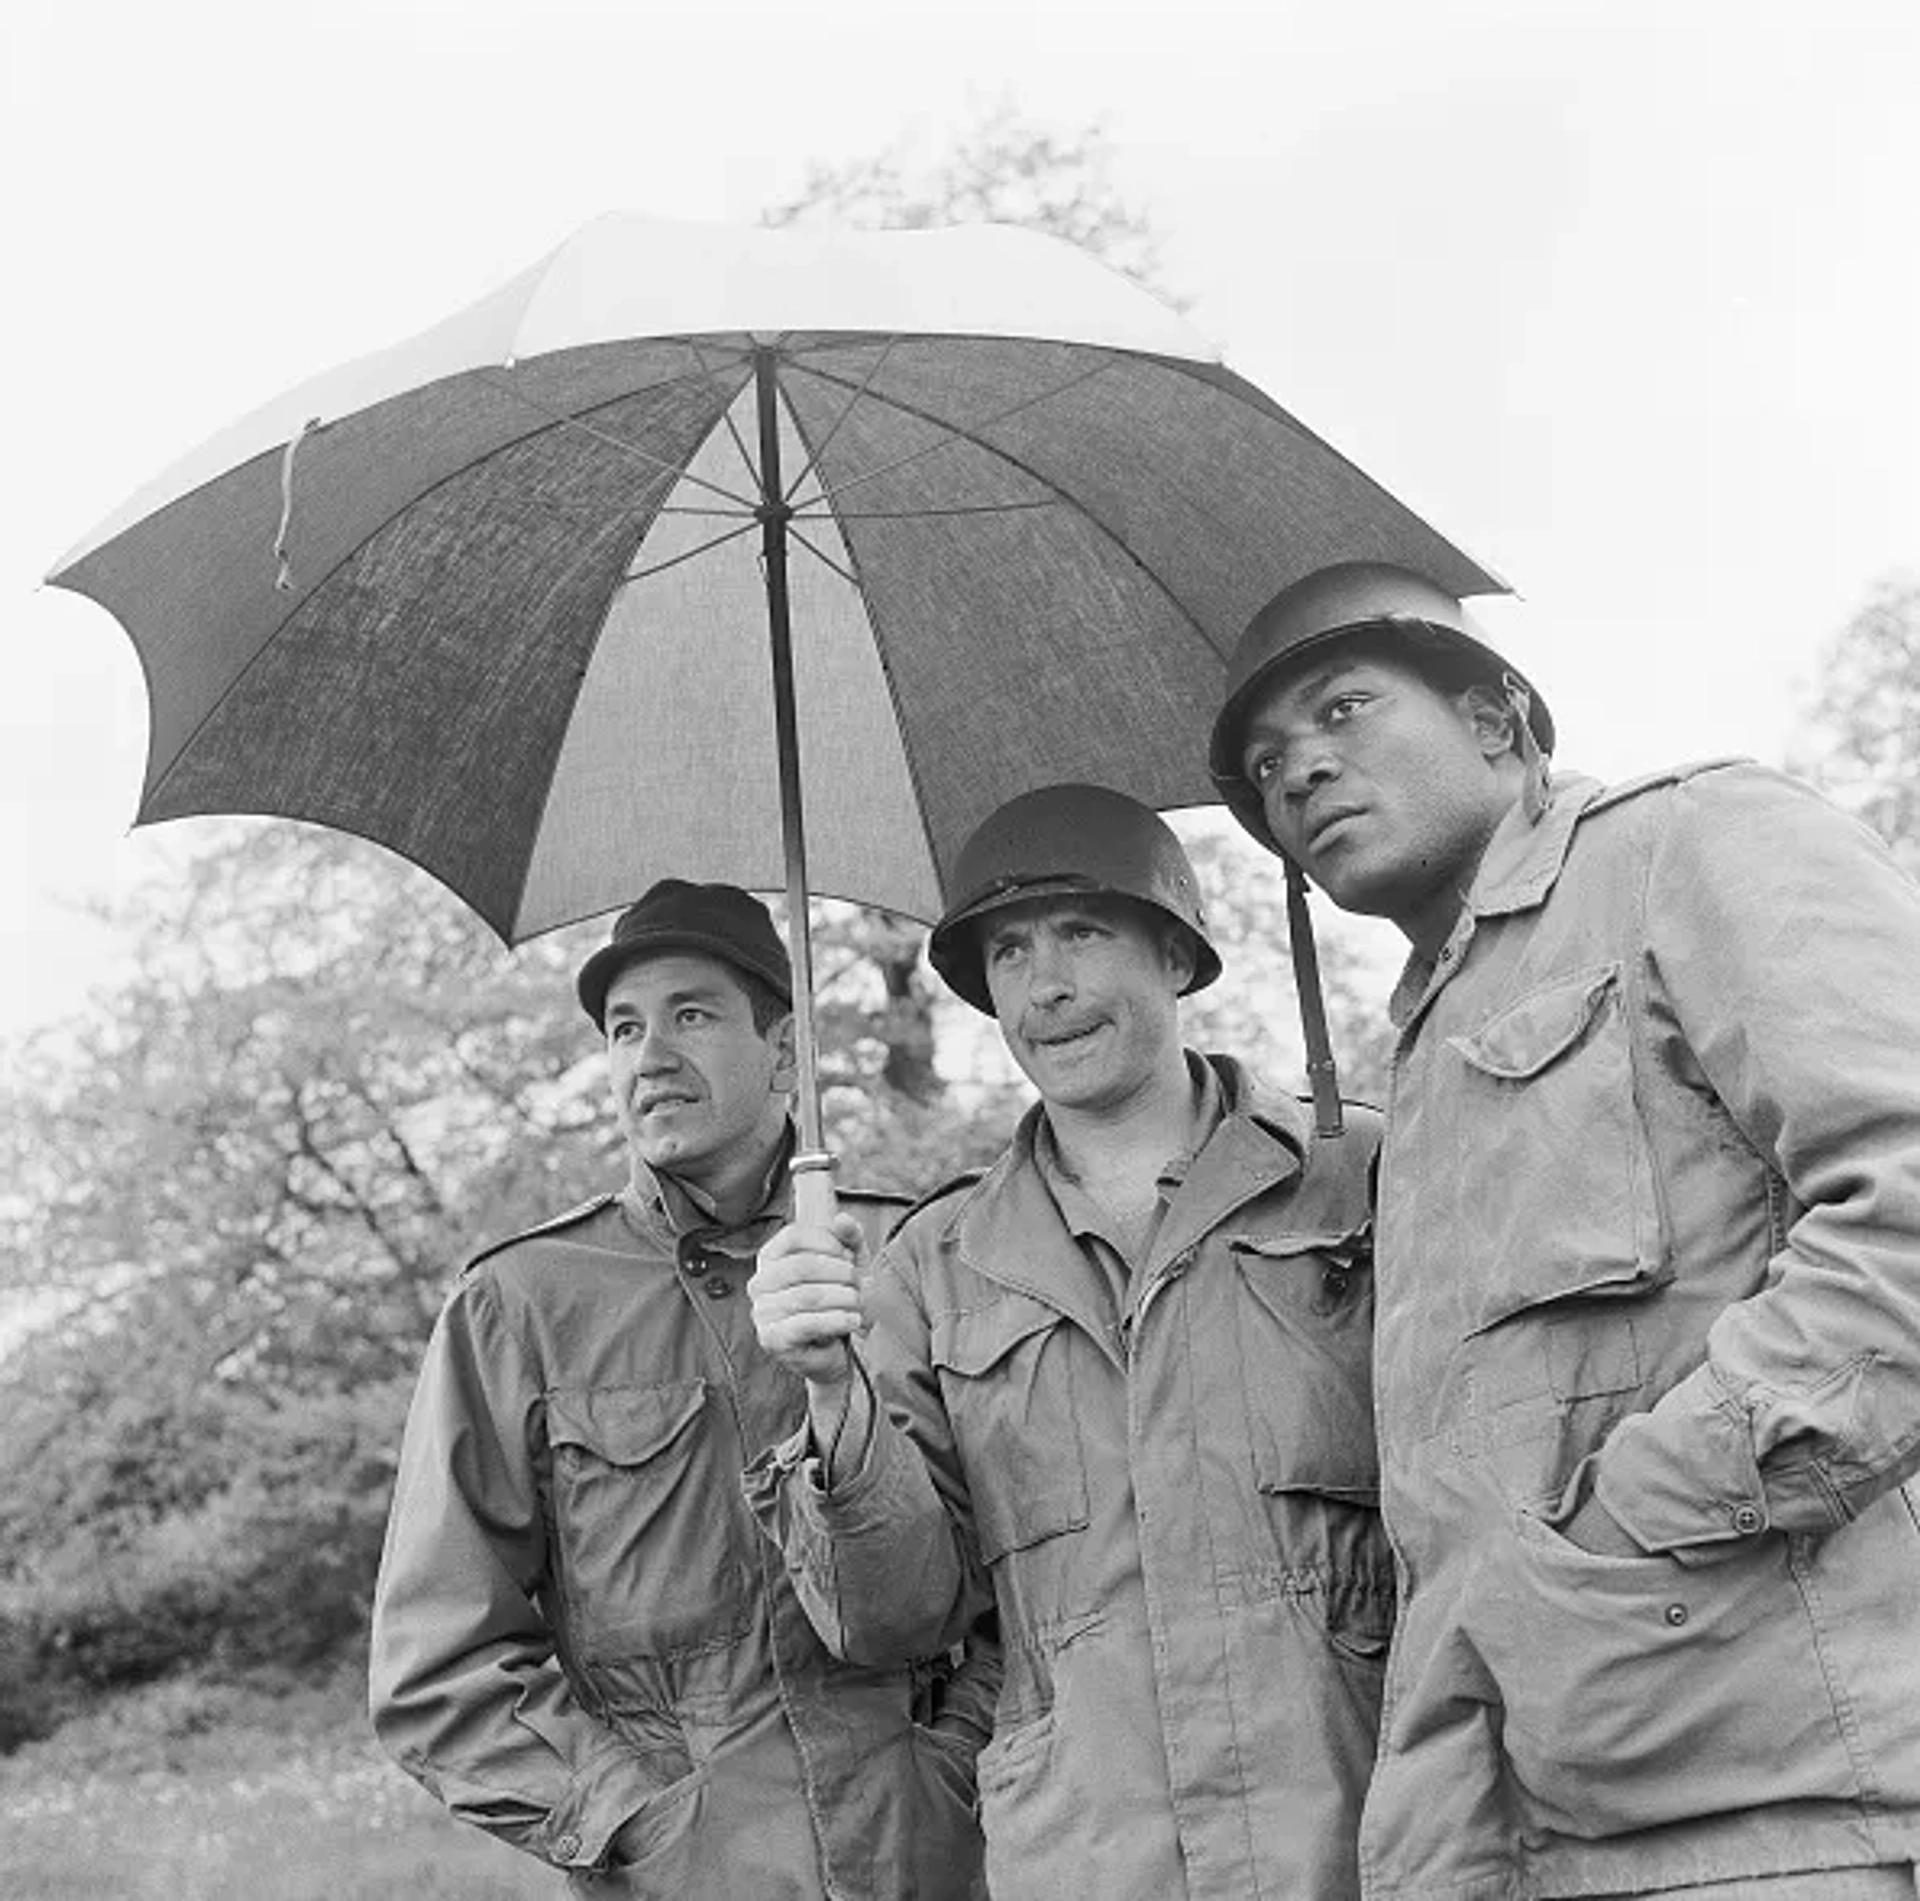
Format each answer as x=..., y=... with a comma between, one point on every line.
x=1522, y=860
x=1009, y=1229
x=669, y=1208
x=1521, y=864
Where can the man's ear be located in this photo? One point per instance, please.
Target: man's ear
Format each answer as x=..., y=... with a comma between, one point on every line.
x=786, y=1065
x=1177, y=947
x=1491, y=721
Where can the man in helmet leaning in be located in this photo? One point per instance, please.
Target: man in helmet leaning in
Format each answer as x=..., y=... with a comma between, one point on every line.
x=1648, y=1352
x=1122, y=1384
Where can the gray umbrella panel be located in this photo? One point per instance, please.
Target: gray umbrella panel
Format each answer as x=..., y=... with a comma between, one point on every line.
x=501, y=657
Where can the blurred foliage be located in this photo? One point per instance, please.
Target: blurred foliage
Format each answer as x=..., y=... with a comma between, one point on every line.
x=1860, y=738
x=1003, y=169
x=250, y=1175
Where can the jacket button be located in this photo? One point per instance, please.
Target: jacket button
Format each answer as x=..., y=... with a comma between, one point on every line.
x=1676, y=1615
x=718, y=1286
x=566, y=1846
x=1747, y=1520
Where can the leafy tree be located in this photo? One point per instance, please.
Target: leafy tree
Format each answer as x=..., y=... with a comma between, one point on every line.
x=1860, y=737
x=1004, y=169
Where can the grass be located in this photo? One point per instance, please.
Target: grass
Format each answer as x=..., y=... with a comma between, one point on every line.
x=187, y=1793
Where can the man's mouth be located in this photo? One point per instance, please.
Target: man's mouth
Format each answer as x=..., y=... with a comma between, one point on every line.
x=1323, y=822
x=654, y=1102
x=1059, y=1037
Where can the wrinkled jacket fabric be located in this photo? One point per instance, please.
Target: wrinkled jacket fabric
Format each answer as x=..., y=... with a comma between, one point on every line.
x=1176, y=1515
x=1650, y=1225
x=577, y=1622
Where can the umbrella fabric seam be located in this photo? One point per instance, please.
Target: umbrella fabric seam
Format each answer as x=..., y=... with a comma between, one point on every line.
x=1229, y=381
x=950, y=432
x=560, y=419
x=1181, y=611
x=826, y=441
x=883, y=662
x=153, y=790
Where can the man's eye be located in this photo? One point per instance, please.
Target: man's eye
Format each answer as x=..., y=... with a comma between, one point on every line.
x=691, y=1017
x=624, y=1031
x=1343, y=707
x=1262, y=767
x=1003, y=952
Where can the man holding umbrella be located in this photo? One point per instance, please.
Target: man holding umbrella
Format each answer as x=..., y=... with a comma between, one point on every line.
x=1120, y=1385
x=580, y=1640
x=1649, y=1256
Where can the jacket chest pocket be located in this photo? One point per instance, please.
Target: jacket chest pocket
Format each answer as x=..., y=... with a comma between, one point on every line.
x=1006, y=1374
x=1305, y=1337
x=1555, y=1198
x=650, y=1560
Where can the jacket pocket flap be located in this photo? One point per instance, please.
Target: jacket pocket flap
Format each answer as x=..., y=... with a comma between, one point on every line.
x=970, y=1343
x=1525, y=1037
x=1254, y=1248
x=625, y=1425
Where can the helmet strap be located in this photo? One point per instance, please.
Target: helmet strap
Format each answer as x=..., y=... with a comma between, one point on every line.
x=1322, y=1076
x=1536, y=789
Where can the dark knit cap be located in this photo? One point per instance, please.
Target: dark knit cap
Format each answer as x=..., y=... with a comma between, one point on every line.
x=719, y=920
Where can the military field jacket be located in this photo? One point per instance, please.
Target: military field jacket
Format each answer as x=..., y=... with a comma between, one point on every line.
x=1174, y=1506
x=1650, y=1229
x=577, y=1622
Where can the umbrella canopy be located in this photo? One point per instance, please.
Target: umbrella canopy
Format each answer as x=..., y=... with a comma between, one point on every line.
x=501, y=597
x=462, y=614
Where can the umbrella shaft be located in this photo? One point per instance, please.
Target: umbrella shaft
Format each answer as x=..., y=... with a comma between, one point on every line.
x=774, y=514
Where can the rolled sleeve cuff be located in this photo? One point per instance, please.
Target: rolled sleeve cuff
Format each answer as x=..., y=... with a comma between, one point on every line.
x=603, y=1795
x=1684, y=1475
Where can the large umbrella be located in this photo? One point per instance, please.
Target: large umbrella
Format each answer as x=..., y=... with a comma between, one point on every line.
x=753, y=555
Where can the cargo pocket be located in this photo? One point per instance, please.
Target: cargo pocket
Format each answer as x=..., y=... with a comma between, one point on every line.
x=1555, y=1177
x=1029, y=1810
x=649, y=1547
x=1305, y=1342
x=1639, y=1691
x=1006, y=1374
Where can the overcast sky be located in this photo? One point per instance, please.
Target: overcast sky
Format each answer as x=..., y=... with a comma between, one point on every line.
x=1623, y=296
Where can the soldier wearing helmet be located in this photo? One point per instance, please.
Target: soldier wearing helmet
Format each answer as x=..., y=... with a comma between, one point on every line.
x=1118, y=1386
x=1648, y=1357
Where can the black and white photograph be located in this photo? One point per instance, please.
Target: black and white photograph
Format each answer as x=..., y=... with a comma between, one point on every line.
x=961, y=955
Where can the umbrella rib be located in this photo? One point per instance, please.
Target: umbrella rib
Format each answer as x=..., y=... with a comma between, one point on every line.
x=826, y=441
x=726, y=413
x=952, y=434
x=1180, y=609
x=673, y=561
x=925, y=514
x=564, y=421
x=821, y=556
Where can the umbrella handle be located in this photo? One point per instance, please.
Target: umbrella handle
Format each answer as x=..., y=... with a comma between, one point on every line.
x=814, y=1202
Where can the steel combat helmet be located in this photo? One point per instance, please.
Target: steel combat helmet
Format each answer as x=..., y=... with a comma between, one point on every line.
x=1334, y=603
x=1065, y=841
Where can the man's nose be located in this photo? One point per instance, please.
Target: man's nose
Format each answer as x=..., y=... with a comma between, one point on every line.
x=1052, y=972
x=1304, y=766
x=659, y=1054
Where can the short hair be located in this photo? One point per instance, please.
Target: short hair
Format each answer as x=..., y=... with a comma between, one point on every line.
x=765, y=1004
